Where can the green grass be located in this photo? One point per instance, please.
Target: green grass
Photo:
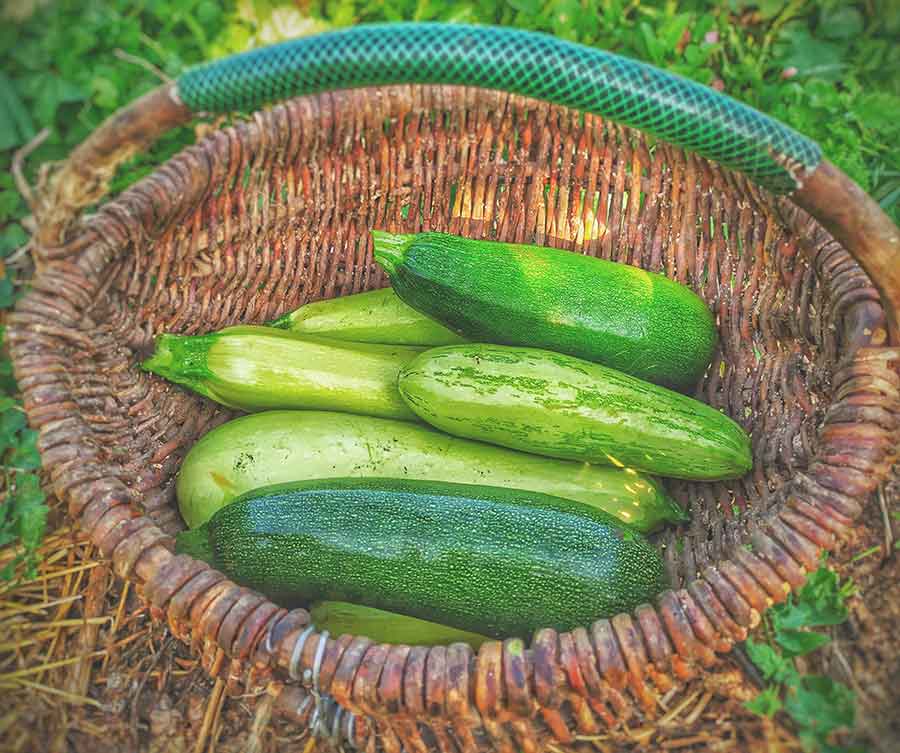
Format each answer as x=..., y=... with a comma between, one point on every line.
x=831, y=69
x=61, y=72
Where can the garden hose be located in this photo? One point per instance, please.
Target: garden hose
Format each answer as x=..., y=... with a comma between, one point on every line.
x=536, y=65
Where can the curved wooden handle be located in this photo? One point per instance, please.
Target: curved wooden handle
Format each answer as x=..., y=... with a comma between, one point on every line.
x=862, y=227
x=84, y=177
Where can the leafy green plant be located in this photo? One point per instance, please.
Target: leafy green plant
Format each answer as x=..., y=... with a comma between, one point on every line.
x=23, y=514
x=817, y=704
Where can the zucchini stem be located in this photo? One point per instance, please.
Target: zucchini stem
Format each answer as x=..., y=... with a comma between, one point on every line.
x=195, y=543
x=390, y=249
x=180, y=358
x=282, y=322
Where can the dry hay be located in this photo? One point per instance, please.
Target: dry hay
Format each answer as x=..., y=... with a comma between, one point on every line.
x=84, y=668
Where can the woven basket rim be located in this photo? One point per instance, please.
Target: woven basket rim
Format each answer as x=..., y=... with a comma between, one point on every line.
x=684, y=631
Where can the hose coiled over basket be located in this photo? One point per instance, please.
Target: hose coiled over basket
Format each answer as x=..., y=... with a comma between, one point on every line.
x=535, y=65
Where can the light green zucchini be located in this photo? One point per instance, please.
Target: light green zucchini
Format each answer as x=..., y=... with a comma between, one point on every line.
x=257, y=368
x=344, y=618
x=284, y=446
x=376, y=316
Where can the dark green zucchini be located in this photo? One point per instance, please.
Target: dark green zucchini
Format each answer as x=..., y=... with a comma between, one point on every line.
x=635, y=321
x=495, y=561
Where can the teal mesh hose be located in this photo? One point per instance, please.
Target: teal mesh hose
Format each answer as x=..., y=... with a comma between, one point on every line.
x=535, y=65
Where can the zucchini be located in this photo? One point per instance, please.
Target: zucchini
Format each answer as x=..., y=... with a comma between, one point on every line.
x=500, y=562
x=343, y=618
x=621, y=316
x=376, y=316
x=257, y=368
x=283, y=446
x=564, y=407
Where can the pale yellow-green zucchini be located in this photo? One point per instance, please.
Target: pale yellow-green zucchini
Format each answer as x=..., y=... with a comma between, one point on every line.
x=259, y=368
x=376, y=316
x=342, y=618
x=279, y=447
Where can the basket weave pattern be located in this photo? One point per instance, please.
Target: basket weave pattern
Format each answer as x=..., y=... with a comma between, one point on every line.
x=259, y=218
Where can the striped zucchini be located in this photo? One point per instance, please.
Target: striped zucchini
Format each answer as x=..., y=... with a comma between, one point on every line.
x=564, y=407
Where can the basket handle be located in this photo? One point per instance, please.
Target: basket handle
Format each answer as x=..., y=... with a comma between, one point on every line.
x=675, y=109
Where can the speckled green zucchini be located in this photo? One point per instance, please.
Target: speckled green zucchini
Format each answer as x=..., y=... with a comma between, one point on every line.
x=376, y=316
x=282, y=446
x=495, y=561
x=564, y=407
x=635, y=321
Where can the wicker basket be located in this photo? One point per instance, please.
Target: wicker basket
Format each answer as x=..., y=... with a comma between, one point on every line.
x=258, y=218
